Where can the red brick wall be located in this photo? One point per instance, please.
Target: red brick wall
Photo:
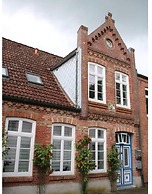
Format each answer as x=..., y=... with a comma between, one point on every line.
x=45, y=117
x=142, y=84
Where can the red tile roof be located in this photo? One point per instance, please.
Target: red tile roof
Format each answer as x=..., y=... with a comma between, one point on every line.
x=20, y=59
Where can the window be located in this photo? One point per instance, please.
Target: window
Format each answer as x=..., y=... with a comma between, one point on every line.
x=34, y=78
x=146, y=96
x=4, y=72
x=122, y=90
x=63, y=149
x=97, y=83
x=98, y=148
x=21, y=135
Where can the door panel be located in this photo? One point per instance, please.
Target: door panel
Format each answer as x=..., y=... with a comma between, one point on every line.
x=125, y=171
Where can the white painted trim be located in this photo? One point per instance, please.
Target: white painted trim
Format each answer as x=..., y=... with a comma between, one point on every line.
x=104, y=83
x=62, y=137
x=20, y=134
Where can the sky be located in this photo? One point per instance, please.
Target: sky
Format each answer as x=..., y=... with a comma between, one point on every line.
x=52, y=25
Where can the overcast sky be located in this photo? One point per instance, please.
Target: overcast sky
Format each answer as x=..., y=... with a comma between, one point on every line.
x=52, y=25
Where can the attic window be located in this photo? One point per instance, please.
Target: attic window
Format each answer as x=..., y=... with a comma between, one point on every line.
x=4, y=72
x=34, y=78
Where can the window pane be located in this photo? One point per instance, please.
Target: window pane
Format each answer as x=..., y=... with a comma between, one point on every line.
x=34, y=78
x=126, y=162
x=117, y=76
x=100, y=146
x=67, y=145
x=92, y=87
x=23, y=166
x=68, y=131
x=66, y=166
x=118, y=100
x=124, y=87
x=67, y=155
x=100, y=156
x=11, y=154
x=100, y=164
x=92, y=79
x=56, y=144
x=12, y=141
x=24, y=154
x=100, y=134
x=56, y=155
x=100, y=96
x=92, y=94
x=57, y=130
x=13, y=125
x=124, y=94
x=4, y=71
x=100, y=81
x=56, y=165
x=91, y=68
x=125, y=102
x=9, y=166
x=117, y=86
x=27, y=127
x=25, y=142
x=92, y=133
x=92, y=146
x=146, y=92
x=99, y=88
x=99, y=70
x=124, y=78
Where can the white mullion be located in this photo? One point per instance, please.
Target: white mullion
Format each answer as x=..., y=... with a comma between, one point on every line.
x=18, y=146
x=62, y=148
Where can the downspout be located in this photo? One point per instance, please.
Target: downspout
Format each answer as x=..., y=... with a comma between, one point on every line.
x=76, y=81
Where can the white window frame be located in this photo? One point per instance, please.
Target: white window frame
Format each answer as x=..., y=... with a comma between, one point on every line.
x=29, y=77
x=64, y=138
x=99, y=140
x=96, y=85
x=146, y=96
x=121, y=90
x=20, y=134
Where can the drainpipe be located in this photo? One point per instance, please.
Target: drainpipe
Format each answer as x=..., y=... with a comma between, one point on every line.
x=76, y=81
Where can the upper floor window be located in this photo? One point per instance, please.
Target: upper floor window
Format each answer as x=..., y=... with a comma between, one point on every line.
x=21, y=135
x=98, y=148
x=146, y=96
x=122, y=90
x=63, y=137
x=4, y=72
x=34, y=78
x=97, y=83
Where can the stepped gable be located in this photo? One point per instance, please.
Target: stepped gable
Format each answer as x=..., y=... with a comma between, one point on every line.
x=21, y=59
x=99, y=38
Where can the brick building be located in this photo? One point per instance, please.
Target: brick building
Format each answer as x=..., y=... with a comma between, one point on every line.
x=50, y=99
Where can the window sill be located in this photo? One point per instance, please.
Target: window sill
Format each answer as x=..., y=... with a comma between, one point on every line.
x=123, y=110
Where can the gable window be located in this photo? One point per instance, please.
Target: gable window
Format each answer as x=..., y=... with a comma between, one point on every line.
x=63, y=149
x=34, y=78
x=122, y=90
x=21, y=135
x=4, y=72
x=146, y=96
x=97, y=83
x=98, y=148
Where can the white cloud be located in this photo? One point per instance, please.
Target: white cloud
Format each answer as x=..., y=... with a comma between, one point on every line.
x=25, y=28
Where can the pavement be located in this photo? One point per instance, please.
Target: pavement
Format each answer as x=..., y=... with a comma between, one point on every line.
x=143, y=190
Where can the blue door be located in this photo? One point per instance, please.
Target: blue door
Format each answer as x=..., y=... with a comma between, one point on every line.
x=123, y=146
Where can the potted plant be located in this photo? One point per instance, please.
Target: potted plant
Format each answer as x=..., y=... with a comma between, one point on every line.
x=114, y=162
x=42, y=156
x=84, y=161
